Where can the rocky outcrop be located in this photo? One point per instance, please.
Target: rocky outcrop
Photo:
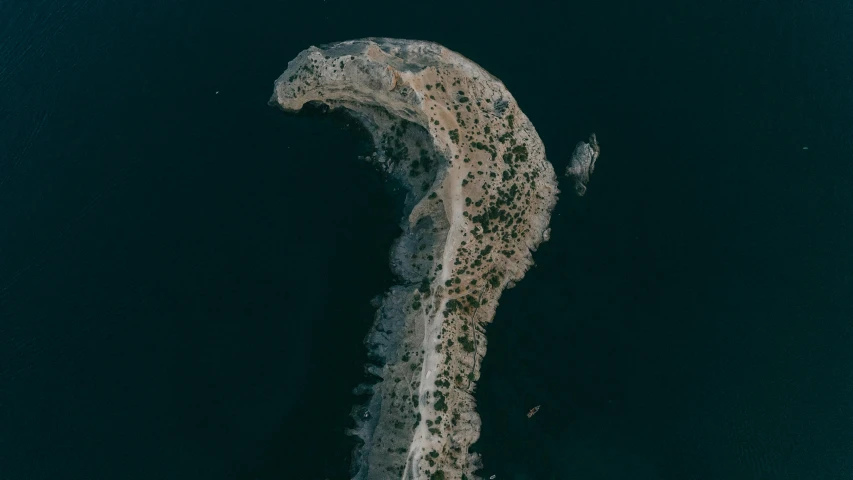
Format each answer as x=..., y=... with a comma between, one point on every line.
x=582, y=164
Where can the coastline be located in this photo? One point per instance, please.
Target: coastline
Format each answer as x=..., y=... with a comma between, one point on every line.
x=485, y=183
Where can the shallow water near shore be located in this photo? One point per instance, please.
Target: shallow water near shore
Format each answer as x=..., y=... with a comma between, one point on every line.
x=186, y=272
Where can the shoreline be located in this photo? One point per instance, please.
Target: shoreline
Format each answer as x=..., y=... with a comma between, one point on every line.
x=480, y=198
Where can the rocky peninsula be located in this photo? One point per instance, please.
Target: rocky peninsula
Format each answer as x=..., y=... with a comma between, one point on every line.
x=480, y=195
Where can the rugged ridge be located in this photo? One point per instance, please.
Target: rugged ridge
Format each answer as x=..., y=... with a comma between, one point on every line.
x=480, y=198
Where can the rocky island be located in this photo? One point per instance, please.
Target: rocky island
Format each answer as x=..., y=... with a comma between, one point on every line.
x=582, y=163
x=480, y=195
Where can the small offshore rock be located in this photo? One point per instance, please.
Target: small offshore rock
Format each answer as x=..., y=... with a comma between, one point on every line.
x=582, y=164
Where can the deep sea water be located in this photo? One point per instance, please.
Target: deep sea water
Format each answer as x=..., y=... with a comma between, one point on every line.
x=185, y=275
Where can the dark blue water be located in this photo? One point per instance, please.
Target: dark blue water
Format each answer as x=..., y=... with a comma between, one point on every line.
x=185, y=276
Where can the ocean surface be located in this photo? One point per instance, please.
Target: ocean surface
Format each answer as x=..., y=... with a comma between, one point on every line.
x=186, y=272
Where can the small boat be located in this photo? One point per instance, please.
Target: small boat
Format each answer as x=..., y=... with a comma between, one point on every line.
x=533, y=411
